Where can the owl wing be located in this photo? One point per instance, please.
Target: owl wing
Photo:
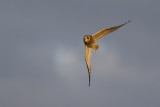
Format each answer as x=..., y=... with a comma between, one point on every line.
x=88, y=54
x=100, y=34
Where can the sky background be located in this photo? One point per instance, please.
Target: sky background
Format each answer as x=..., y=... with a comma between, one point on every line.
x=42, y=53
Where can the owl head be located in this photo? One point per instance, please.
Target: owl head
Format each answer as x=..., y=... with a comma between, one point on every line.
x=87, y=38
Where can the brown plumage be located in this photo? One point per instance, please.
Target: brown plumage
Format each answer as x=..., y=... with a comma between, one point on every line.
x=90, y=43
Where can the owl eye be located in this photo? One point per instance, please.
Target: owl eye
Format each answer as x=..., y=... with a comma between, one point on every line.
x=87, y=37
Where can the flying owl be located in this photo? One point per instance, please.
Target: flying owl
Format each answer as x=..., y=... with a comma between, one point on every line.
x=90, y=43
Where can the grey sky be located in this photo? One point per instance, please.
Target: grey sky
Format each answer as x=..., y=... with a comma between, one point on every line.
x=42, y=53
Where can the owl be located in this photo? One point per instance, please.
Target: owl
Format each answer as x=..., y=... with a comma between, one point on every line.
x=90, y=43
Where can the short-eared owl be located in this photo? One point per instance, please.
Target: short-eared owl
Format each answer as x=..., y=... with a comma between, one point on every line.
x=90, y=43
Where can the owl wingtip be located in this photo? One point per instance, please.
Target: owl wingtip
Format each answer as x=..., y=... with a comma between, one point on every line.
x=128, y=21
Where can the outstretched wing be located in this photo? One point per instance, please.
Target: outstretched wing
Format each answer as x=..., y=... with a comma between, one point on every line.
x=88, y=54
x=100, y=34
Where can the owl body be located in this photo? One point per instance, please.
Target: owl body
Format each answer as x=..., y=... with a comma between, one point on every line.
x=90, y=42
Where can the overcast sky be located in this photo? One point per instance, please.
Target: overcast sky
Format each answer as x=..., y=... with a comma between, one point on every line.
x=42, y=53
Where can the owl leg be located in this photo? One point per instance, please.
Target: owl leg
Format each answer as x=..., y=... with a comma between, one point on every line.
x=95, y=46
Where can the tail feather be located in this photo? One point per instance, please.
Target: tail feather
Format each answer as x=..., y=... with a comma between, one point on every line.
x=95, y=46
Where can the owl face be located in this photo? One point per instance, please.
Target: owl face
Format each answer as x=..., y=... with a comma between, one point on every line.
x=87, y=38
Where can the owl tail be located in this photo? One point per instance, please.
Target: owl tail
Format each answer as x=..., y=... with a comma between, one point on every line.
x=95, y=46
